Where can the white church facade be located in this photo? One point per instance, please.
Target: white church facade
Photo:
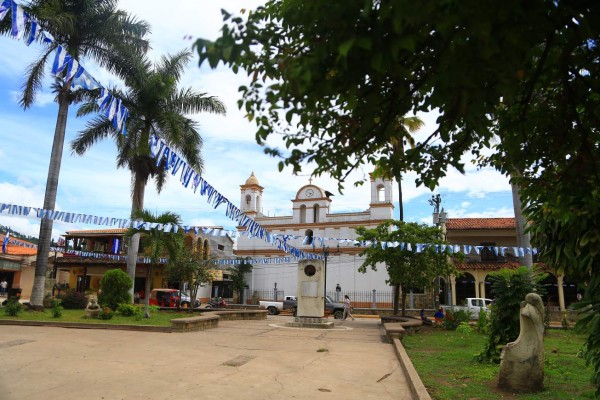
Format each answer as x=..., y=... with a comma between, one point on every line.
x=312, y=216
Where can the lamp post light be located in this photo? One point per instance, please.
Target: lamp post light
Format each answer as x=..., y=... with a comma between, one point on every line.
x=440, y=218
x=325, y=254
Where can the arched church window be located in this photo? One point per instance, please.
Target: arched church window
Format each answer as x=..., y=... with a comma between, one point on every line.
x=309, y=237
x=316, y=213
x=248, y=199
x=302, y=214
x=380, y=193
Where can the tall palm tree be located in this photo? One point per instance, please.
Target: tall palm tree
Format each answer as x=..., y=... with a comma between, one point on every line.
x=93, y=29
x=157, y=244
x=402, y=135
x=156, y=106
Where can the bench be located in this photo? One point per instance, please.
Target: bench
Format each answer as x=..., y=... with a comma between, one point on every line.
x=231, y=315
x=192, y=324
x=396, y=327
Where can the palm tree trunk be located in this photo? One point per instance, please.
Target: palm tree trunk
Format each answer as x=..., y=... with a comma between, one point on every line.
x=148, y=289
x=404, y=303
x=45, y=237
x=523, y=239
x=396, y=300
x=137, y=204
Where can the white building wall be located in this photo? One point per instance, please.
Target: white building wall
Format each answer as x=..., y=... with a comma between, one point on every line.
x=343, y=261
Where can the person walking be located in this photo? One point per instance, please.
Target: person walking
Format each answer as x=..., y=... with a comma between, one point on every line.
x=3, y=286
x=347, y=307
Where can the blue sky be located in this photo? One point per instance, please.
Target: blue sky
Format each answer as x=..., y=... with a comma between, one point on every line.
x=91, y=184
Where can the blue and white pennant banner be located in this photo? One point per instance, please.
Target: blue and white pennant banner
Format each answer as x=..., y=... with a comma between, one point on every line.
x=114, y=110
x=279, y=240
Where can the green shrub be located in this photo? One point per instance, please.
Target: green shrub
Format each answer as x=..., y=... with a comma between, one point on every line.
x=464, y=329
x=509, y=288
x=115, y=285
x=130, y=310
x=483, y=321
x=13, y=308
x=57, y=309
x=73, y=300
x=452, y=319
x=106, y=313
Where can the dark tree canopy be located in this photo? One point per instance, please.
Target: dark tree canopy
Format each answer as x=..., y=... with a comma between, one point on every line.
x=332, y=77
x=335, y=76
x=407, y=268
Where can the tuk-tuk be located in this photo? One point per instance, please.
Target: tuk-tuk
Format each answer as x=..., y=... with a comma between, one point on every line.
x=164, y=297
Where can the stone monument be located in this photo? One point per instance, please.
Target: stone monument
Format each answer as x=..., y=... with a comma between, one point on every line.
x=522, y=361
x=311, y=296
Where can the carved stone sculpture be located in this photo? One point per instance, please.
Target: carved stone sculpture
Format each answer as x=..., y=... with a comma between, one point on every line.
x=522, y=361
x=93, y=309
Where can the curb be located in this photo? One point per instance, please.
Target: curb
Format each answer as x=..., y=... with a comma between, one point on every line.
x=84, y=325
x=415, y=383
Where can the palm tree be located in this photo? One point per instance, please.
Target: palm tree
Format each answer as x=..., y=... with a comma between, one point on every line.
x=157, y=244
x=156, y=106
x=403, y=130
x=87, y=28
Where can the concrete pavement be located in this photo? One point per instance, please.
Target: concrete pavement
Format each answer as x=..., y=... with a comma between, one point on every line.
x=239, y=359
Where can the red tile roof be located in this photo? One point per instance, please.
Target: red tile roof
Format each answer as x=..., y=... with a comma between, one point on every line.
x=15, y=250
x=96, y=231
x=480, y=223
x=488, y=266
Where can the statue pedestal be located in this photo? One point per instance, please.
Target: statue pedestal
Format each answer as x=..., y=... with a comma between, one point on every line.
x=310, y=322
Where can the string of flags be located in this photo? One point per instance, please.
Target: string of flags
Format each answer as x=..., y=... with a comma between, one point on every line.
x=69, y=217
x=147, y=260
x=110, y=106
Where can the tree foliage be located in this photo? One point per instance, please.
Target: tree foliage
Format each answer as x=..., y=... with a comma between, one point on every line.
x=237, y=275
x=115, y=286
x=156, y=244
x=509, y=288
x=332, y=77
x=407, y=268
x=191, y=266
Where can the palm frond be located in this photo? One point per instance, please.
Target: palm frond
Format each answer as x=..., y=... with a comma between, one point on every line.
x=35, y=75
x=171, y=67
x=95, y=130
x=190, y=102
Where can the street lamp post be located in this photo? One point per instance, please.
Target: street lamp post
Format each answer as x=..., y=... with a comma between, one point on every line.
x=325, y=254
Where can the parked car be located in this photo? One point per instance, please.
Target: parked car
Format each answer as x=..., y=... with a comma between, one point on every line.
x=170, y=297
x=331, y=307
x=275, y=307
x=472, y=305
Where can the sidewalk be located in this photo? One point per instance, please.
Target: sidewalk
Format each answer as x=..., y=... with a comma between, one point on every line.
x=239, y=359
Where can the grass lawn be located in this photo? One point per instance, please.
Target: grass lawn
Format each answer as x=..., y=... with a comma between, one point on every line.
x=157, y=318
x=445, y=361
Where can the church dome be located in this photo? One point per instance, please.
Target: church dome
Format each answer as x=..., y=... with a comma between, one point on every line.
x=252, y=180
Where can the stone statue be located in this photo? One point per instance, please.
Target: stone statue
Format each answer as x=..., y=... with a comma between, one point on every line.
x=93, y=309
x=522, y=361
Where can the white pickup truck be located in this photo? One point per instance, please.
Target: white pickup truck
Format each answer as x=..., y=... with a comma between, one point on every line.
x=472, y=305
x=275, y=307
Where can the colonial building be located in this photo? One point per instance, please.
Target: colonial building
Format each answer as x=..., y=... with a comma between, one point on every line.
x=17, y=265
x=473, y=280
x=89, y=254
x=312, y=217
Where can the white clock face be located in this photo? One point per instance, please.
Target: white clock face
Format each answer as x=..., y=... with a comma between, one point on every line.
x=310, y=192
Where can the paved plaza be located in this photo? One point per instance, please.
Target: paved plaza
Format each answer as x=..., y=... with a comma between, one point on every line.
x=238, y=360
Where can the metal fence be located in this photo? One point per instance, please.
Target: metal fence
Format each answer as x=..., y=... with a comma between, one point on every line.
x=359, y=298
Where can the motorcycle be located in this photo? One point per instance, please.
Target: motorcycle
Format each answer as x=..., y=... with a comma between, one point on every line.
x=217, y=303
